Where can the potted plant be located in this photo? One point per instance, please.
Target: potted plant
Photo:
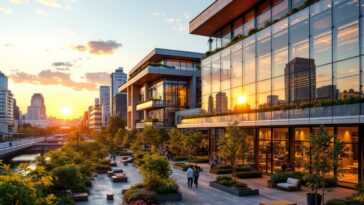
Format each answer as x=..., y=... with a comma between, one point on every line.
x=324, y=151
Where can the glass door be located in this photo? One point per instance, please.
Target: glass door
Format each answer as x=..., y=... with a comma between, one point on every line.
x=280, y=149
x=265, y=150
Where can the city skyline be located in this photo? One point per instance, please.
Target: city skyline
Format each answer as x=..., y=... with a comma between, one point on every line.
x=67, y=52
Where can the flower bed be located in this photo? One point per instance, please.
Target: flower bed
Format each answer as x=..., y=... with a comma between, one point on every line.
x=226, y=183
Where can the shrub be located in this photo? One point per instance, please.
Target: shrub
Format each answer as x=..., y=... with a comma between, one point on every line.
x=221, y=178
x=221, y=171
x=167, y=186
x=155, y=165
x=280, y=177
x=135, y=194
x=246, y=175
x=244, y=169
x=180, y=158
x=199, y=159
x=240, y=185
x=228, y=183
x=67, y=177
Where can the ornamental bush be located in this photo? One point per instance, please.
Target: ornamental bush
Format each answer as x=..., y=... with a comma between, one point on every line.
x=247, y=175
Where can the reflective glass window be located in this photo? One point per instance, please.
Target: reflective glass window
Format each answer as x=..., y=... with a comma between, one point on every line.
x=249, y=22
x=297, y=3
x=279, y=97
x=301, y=140
x=249, y=75
x=264, y=86
x=237, y=68
x=215, y=73
x=279, y=10
x=238, y=27
x=279, y=83
x=264, y=100
x=324, y=90
x=320, y=6
x=264, y=14
x=280, y=26
x=347, y=87
x=299, y=46
x=264, y=47
x=249, y=89
x=236, y=93
x=322, y=73
x=206, y=79
x=264, y=67
x=280, y=52
x=346, y=68
x=225, y=69
x=298, y=17
x=226, y=35
x=299, y=86
x=222, y=101
x=346, y=30
x=321, y=50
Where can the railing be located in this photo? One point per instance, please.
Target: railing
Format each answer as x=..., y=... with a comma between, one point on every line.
x=20, y=143
x=328, y=112
x=141, y=125
x=150, y=104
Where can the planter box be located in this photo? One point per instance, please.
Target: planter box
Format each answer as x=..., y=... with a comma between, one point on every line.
x=170, y=197
x=237, y=192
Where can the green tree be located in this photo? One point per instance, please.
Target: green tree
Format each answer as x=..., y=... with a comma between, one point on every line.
x=176, y=141
x=193, y=142
x=155, y=165
x=230, y=145
x=129, y=137
x=25, y=187
x=324, y=151
x=151, y=136
x=114, y=124
x=67, y=177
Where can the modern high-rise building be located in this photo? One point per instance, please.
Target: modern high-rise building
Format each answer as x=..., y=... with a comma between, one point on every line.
x=95, y=116
x=164, y=82
x=118, y=78
x=120, y=107
x=284, y=67
x=36, y=113
x=105, y=104
x=6, y=106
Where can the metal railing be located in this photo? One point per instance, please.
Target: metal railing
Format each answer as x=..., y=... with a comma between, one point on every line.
x=20, y=143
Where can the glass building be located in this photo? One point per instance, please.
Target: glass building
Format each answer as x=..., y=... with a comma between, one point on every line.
x=282, y=68
x=164, y=82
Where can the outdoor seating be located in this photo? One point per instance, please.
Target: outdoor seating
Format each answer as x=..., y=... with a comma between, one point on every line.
x=110, y=196
x=291, y=185
x=119, y=178
x=80, y=196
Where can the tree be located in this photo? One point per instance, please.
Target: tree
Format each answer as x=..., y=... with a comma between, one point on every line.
x=67, y=177
x=114, y=124
x=230, y=145
x=129, y=136
x=26, y=187
x=151, y=136
x=155, y=166
x=324, y=151
x=193, y=142
x=176, y=139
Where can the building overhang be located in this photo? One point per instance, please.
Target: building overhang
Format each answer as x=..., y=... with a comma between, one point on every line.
x=218, y=14
x=152, y=73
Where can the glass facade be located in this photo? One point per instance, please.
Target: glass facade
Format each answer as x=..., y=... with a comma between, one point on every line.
x=310, y=56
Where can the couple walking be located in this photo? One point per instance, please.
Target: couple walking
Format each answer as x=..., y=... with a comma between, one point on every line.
x=193, y=172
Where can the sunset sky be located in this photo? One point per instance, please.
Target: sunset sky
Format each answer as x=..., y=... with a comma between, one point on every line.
x=65, y=49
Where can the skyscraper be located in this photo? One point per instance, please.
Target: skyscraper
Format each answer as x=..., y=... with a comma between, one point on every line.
x=105, y=104
x=36, y=113
x=118, y=78
x=6, y=105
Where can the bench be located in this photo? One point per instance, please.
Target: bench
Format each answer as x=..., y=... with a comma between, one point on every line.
x=291, y=185
x=119, y=178
x=80, y=196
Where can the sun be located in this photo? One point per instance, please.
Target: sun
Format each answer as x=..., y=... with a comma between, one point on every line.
x=66, y=111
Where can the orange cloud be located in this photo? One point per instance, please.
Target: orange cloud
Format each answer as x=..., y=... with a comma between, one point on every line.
x=98, y=47
x=48, y=77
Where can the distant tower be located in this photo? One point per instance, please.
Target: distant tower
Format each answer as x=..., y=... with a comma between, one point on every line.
x=105, y=104
x=36, y=114
x=6, y=105
x=118, y=78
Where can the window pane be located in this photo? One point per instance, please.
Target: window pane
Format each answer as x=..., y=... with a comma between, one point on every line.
x=280, y=26
x=346, y=68
x=299, y=17
x=299, y=86
x=237, y=68
x=346, y=36
x=279, y=97
x=324, y=90
x=322, y=73
x=297, y=3
x=215, y=73
x=225, y=69
x=264, y=14
x=280, y=10
x=249, y=71
x=264, y=47
x=206, y=79
x=280, y=59
x=320, y=6
x=299, y=40
x=235, y=94
x=278, y=83
x=249, y=89
x=262, y=100
x=321, y=38
x=238, y=27
x=222, y=101
x=264, y=67
x=226, y=35
x=264, y=86
x=347, y=87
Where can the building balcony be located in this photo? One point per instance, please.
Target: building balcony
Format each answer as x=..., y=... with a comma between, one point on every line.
x=337, y=114
x=141, y=125
x=151, y=104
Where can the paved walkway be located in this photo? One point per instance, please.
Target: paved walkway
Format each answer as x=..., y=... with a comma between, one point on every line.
x=103, y=185
x=206, y=195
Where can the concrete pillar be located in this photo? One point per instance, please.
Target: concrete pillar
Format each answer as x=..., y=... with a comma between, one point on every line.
x=146, y=97
x=192, y=92
x=134, y=101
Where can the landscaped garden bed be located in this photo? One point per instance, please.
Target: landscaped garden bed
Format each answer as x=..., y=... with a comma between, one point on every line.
x=183, y=166
x=227, y=184
x=193, y=159
x=227, y=169
x=281, y=177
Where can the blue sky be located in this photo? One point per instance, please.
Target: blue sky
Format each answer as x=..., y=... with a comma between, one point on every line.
x=68, y=47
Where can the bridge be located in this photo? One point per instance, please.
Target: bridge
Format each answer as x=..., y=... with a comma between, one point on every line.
x=10, y=147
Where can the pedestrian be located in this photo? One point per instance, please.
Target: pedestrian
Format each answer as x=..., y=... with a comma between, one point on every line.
x=114, y=157
x=10, y=144
x=196, y=174
x=190, y=176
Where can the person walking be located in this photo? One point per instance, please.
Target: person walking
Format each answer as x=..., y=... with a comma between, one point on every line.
x=196, y=174
x=190, y=176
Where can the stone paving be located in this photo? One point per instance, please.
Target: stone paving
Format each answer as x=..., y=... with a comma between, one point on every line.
x=204, y=194
x=103, y=185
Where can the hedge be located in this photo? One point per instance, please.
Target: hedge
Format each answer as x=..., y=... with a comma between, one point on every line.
x=247, y=175
x=180, y=158
x=199, y=159
x=227, y=169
